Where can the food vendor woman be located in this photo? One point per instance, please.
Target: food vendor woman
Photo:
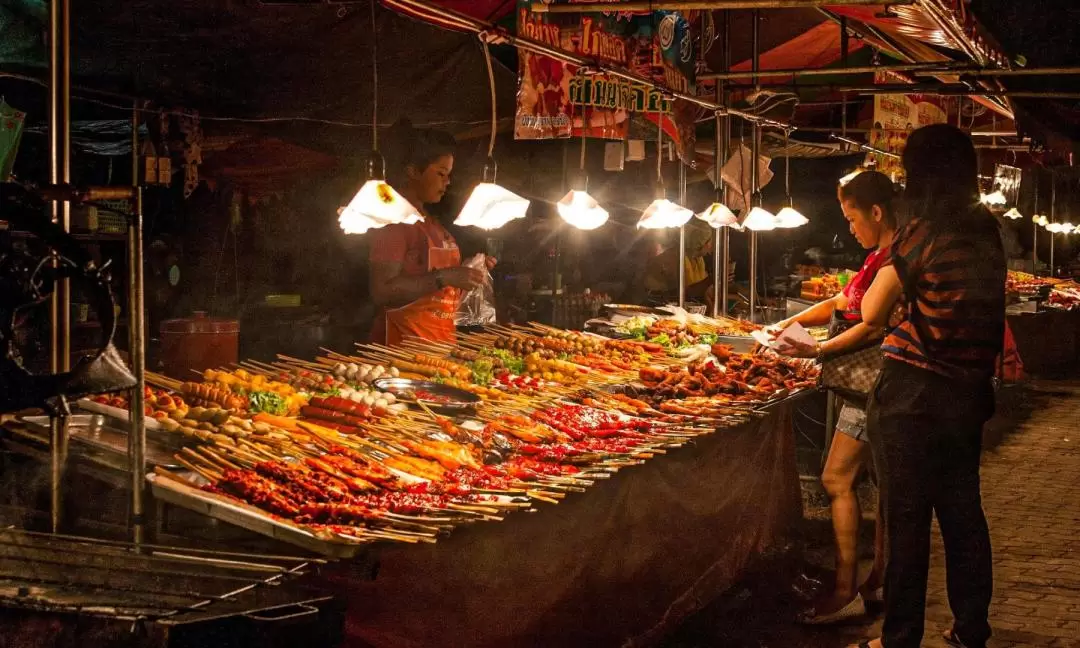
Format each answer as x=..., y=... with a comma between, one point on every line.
x=415, y=270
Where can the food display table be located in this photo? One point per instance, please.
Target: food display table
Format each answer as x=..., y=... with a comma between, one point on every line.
x=513, y=488
x=626, y=561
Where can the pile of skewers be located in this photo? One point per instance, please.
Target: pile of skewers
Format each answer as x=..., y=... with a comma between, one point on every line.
x=559, y=411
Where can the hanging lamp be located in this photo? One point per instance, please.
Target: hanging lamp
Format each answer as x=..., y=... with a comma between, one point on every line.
x=577, y=207
x=789, y=217
x=376, y=204
x=491, y=206
x=718, y=215
x=662, y=213
x=759, y=219
x=1013, y=214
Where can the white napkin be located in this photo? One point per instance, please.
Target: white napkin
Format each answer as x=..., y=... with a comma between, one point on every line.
x=786, y=340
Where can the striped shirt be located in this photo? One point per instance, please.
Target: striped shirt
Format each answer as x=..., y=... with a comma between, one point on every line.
x=954, y=285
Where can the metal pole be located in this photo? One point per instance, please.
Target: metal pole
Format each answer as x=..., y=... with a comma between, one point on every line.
x=1053, y=218
x=725, y=146
x=682, y=237
x=1035, y=230
x=715, y=5
x=755, y=151
x=837, y=71
x=59, y=173
x=137, y=343
x=720, y=236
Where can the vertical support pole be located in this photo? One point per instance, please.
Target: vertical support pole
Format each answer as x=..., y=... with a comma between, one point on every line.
x=682, y=236
x=60, y=212
x=722, y=240
x=1035, y=229
x=755, y=152
x=1053, y=219
x=845, y=48
x=137, y=343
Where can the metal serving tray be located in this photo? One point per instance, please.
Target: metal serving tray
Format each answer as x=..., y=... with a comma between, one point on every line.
x=94, y=434
x=181, y=494
x=403, y=388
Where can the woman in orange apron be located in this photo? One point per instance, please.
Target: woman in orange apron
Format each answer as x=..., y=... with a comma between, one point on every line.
x=416, y=272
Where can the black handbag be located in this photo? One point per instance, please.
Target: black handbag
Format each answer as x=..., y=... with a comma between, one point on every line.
x=852, y=374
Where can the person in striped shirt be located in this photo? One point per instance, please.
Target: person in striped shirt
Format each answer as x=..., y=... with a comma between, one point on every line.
x=935, y=391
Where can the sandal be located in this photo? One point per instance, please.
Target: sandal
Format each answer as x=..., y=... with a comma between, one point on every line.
x=853, y=610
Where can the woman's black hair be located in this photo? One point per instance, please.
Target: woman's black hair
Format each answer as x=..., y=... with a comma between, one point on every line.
x=871, y=188
x=416, y=147
x=942, y=173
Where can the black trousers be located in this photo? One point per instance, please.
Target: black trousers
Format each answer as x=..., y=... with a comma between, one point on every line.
x=927, y=439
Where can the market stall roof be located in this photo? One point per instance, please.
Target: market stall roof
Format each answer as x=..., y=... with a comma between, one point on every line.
x=263, y=61
x=1041, y=33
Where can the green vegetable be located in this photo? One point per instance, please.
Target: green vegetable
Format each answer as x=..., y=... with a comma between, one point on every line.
x=482, y=371
x=267, y=403
x=662, y=340
x=511, y=362
x=640, y=333
x=708, y=338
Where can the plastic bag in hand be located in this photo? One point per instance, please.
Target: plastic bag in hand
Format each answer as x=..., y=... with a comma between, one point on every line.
x=477, y=307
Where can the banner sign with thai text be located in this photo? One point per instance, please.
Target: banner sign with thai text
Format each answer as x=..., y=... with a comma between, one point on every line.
x=557, y=100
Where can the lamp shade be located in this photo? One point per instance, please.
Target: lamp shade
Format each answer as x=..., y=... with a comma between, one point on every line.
x=1040, y=219
x=491, y=206
x=581, y=210
x=759, y=220
x=718, y=215
x=1055, y=228
x=994, y=199
x=1014, y=214
x=663, y=213
x=789, y=217
x=376, y=205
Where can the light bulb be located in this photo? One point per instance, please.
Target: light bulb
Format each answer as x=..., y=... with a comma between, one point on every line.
x=376, y=205
x=1014, y=214
x=849, y=177
x=1054, y=228
x=789, y=217
x=490, y=207
x=663, y=213
x=718, y=215
x=759, y=220
x=581, y=210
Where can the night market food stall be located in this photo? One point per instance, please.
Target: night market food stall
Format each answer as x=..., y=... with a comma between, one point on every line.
x=512, y=485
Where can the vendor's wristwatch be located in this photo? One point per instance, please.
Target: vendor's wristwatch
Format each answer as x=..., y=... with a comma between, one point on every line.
x=820, y=351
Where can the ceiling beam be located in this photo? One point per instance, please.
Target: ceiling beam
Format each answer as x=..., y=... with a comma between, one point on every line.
x=717, y=5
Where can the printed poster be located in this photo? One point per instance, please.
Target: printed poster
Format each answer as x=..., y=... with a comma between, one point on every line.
x=895, y=116
x=557, y=100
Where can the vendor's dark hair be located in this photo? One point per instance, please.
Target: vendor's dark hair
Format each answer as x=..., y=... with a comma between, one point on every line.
x=871, y=188
x=417, y=147
x=942, y=174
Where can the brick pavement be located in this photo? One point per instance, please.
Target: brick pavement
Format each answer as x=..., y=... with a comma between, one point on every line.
x=1031, y=491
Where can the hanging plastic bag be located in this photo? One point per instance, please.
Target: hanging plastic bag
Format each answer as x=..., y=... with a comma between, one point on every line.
x=477, y=307
x=11, y=129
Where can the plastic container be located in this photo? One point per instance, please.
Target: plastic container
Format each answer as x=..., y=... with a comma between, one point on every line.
x=198, y=343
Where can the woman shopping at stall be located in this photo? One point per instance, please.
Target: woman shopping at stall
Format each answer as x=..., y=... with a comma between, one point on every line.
x=935, y=391
x=867, y=202
x=416, y=274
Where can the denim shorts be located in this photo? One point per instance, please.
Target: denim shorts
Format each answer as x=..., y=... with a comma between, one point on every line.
x=852, y=422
